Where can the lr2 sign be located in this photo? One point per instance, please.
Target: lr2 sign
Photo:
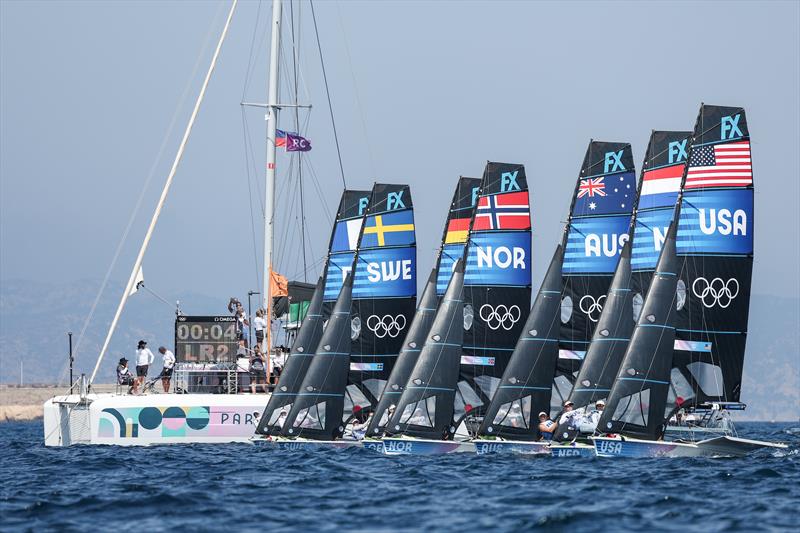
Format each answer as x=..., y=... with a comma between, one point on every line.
x=206, y=339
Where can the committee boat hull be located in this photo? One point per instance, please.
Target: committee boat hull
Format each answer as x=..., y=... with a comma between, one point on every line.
x=127, y=420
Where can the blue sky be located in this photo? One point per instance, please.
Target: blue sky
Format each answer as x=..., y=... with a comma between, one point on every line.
x=422, y=93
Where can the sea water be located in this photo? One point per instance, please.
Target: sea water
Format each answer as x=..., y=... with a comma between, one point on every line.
x=240, y=487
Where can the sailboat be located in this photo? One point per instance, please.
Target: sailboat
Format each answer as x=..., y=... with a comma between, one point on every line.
x=450, y=381
x=664, y=163
x=552, y=343
x=206, y=346
x=379, y=287
x=454, y=237
x=686, y=352
x=343, y=244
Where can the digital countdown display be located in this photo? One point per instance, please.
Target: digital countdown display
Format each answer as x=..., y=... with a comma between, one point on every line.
x=206, y=339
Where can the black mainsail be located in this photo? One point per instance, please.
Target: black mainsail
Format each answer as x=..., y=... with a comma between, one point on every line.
x=597, y=230
x=454, y=238
x=425, y=409
x=384, y=294
x=497, y=284
x=715, y=245
x=659, y=185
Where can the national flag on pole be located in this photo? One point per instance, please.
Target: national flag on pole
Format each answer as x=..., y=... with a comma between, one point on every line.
x=720, y=165
x=457, y=230
x=296, y=143
x=660, y=186
x=280, y=138
x=503, y=211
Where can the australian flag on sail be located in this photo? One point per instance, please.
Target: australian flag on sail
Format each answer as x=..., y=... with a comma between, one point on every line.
x=502, y=212
x=389, y=229
x=602, y=195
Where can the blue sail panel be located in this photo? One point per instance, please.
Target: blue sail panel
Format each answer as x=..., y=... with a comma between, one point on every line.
x=717, y=222
x=499, y=259
x=594, y=244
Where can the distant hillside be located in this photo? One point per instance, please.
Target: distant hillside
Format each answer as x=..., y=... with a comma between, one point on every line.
x=35, y=317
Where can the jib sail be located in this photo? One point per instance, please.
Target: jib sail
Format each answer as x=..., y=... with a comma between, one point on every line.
x=384, y=294
x=497, y=284
x=342, y=245
x=659, y=185
x=454, y=237
x=526, y=384
x=597, y=231
x=636, y=403
x=425, y=408
x=715, y=246
x=318, y=406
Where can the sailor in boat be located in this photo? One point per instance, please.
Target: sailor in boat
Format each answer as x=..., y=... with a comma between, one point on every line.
x=570, y=416
x=168, y=365
x=546, y=426
x=144, y=358
x=589, y=422
x=124, y=376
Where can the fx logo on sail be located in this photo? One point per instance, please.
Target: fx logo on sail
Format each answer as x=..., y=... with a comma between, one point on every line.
x=613, y=162
x=677, y=151
x=729, y=127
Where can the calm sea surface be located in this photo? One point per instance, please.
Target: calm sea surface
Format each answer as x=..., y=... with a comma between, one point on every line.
x=241, y=487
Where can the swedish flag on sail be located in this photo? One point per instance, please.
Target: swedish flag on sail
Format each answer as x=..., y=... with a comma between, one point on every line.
x=389, y=229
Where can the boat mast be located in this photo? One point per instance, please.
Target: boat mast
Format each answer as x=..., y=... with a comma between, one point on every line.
x=137, y=265
x=269, y=203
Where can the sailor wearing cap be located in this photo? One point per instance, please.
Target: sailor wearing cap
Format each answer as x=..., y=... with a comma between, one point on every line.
x=569, y=416
x=546, y=426
x=589, y=422
x=124, y=376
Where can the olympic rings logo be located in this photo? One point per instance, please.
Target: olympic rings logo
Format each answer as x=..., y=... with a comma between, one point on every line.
x=387, y=325
x=716, y=291
x=591, y=307
x=500, y=316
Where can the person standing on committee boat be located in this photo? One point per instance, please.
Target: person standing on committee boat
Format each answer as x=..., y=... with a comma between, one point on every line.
x=144, y=358
x=167, y=368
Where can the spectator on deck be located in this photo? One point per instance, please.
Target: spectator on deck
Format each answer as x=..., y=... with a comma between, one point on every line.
x=167, y=367
x=258, y=371
x=124, y=376
x=260, y=325
x=144, y=358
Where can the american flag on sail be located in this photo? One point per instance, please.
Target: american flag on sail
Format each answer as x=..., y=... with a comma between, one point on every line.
x=720, y=165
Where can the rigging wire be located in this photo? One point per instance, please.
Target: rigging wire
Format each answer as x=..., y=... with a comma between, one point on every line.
x=327, y=93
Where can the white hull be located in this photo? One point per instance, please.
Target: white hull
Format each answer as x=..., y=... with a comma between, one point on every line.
x=724, y=446
x=294, y=444
x=126, y=420
x=574, y=449
x=411, y=446
x=484, y=447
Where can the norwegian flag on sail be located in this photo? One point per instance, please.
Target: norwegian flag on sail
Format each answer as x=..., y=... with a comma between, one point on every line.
x=720, y=165
x=503, y=211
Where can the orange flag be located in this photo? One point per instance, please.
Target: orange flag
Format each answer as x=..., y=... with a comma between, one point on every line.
x=278, y=286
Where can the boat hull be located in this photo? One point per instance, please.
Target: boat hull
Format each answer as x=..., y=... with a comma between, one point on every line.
x=305, y=444
x=126, y=420
x=486, y=447
x=574, y=449
x=724, y=446
x=406, y=446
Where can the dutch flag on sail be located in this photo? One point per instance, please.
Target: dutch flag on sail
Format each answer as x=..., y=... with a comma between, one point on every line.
x=660, y=186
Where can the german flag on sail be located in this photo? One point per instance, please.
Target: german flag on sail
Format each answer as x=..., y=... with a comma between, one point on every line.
x=457, y=230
